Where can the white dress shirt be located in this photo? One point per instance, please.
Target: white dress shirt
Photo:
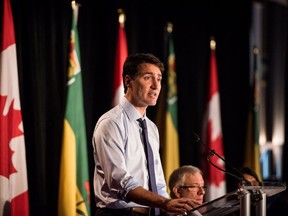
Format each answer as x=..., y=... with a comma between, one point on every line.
x=120, y=161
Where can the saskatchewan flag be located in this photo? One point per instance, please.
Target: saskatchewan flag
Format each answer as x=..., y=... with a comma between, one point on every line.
x=252, y=148
x=74, y=190
x=167, y=116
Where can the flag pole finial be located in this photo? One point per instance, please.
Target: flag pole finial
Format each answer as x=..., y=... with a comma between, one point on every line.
x=74, y=4
x=256, y=50
x=169, y=27
x=212, y=43
x=122, y=17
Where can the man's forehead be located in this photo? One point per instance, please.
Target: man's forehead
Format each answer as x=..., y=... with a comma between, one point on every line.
x=147, y=72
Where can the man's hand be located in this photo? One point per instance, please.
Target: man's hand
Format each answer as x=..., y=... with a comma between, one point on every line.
x=180, y=205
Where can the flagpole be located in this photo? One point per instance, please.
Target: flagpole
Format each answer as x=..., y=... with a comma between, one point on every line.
x=121, y=54
x=215, y=180
x=167, y=116
x=75, y=4
x=74, y=184
x=212, y=43
x=122, y=17
x=14, y=194
x=169, y=28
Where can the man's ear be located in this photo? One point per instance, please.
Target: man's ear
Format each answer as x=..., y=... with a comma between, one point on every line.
x=127, y=81
x=176, y=191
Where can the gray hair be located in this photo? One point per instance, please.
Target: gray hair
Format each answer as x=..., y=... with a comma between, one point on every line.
x=178, y=176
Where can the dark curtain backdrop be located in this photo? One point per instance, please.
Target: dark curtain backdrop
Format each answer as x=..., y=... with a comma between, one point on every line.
x=42, y=35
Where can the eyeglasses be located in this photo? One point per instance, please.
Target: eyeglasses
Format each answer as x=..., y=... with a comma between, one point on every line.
x=194, y=188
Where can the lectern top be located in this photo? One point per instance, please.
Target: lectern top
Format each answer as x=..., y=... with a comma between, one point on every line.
x=269, y=188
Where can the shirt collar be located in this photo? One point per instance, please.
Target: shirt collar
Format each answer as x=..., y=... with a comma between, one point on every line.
x=130, y=110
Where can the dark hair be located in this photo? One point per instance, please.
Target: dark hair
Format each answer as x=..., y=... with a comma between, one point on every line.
x=132, y=64
x=247, y=170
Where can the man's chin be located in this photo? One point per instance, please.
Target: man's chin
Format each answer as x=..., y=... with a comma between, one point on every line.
x=152, y=103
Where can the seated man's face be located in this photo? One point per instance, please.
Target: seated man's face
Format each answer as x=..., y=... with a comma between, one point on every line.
x=193, y=187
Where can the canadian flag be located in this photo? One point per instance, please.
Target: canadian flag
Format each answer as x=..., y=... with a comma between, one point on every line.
x=121, y=54
x=212, y=136
x=13, y=173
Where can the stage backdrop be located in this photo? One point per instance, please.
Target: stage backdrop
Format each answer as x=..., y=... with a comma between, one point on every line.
x=42, y=30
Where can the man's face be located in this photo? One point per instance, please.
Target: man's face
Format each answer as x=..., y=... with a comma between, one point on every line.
x=192, y=187
x=145, y=87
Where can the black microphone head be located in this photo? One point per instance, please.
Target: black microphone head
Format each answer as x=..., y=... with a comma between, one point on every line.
x=195, y=137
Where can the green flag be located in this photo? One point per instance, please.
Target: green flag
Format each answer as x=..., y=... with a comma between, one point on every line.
x=167, y=117
x=252, y=148
x=74, y=190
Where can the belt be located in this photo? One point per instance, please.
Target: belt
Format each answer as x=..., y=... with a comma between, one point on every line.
x=139, y=210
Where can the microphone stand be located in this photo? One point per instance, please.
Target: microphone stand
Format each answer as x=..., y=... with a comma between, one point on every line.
x=255, y=194
x=211, y=153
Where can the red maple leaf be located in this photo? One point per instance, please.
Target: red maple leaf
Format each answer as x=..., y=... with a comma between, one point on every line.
x=9, y=128
x=215, y=176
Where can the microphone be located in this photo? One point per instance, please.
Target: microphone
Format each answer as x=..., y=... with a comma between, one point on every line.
x=255, y=194
x=211, y=153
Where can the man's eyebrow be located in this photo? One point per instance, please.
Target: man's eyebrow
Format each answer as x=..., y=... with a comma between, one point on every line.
x=150, y=72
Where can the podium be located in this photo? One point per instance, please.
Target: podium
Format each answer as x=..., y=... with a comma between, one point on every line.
x=241, y=202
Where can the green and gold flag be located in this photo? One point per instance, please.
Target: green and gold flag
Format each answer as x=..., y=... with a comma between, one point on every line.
x=167, y=116
x=74, y=190
x=252, y=148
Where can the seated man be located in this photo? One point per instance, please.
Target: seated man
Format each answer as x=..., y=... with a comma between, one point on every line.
x=187, y=181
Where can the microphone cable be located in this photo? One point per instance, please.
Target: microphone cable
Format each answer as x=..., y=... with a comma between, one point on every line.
x=212, y=152
x=254, y=194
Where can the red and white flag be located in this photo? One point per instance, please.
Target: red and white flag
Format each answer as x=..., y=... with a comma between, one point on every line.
x=212, y=136
x=13, y=173
x=121, y=55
